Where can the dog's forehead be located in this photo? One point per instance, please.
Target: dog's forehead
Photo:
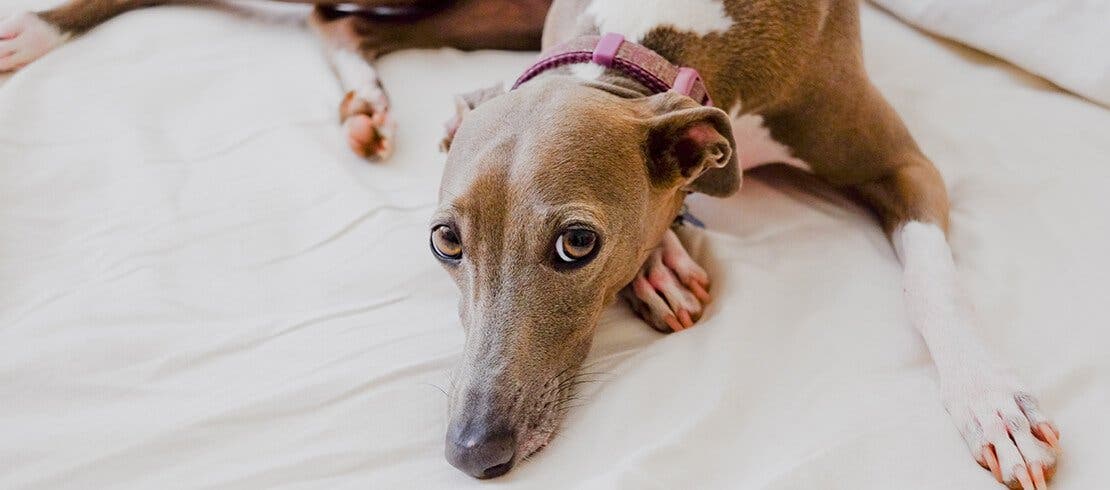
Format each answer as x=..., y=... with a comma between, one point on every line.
x=498, y=204
x=548, y=145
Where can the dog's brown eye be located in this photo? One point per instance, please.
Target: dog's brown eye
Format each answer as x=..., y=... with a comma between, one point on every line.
x=575, y=244
x=445, y=243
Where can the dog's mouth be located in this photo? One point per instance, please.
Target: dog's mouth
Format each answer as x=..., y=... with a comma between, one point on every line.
x=545, y=425
x=550, y=407
x=485, y=448
x=547, y=412
x=540, y=436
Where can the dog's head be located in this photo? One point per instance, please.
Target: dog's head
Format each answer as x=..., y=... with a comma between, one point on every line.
x=553, y=196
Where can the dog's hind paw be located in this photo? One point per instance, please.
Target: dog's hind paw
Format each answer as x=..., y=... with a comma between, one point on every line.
x=671, y=290
x=1008, y=435
x=24, y=37
x=367, y=123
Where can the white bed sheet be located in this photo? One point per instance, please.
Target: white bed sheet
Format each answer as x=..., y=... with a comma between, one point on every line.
x=200, y=287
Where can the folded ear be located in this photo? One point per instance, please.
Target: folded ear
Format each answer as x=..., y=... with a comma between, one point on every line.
x=464, y=103
x=693, y=145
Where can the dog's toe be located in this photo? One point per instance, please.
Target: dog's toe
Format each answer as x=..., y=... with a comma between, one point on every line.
x=24, y=37
x=1008, y=435
x=364, y=137
x=667, y=298
x=651, y=307
x=688, y=272
x=368, y=124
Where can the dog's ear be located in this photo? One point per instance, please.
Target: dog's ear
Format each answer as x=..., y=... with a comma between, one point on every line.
x=464, y=103
x=691, y=143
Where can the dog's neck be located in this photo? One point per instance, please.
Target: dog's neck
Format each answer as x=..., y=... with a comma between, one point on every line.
x=618, y=66
x=612, y=81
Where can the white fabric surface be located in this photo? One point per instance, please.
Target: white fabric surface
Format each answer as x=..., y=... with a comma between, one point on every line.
x=1062, y=40
x=200, y=287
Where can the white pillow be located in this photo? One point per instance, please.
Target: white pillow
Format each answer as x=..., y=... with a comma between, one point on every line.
x=1065, y=41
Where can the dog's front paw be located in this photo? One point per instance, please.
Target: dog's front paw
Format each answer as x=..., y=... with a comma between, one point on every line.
x=367, y=123
x=1007, y=433
x=24, y=37
x=671, y=290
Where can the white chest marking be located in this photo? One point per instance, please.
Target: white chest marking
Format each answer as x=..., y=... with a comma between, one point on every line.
x=635, y=18
x=755, y=146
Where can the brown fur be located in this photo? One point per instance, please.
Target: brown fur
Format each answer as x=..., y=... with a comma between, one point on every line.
x=465, y=24
x=800, y=66
x=79, y=16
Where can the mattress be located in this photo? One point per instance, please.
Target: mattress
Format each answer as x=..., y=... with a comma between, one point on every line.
x=201, y=287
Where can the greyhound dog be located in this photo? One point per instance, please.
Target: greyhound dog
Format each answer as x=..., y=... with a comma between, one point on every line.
x=542, y=223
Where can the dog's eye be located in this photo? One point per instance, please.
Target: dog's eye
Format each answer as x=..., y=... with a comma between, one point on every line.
x=575, y=244
x=445, y=243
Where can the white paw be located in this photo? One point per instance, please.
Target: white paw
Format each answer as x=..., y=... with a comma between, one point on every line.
x=24, y=37
x=1006, y=432
x=367, y=123
x=670, y=291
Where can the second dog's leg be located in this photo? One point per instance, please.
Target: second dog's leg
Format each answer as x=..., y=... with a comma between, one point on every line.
x=354, y=40
x=24, y=37
x=364, y=110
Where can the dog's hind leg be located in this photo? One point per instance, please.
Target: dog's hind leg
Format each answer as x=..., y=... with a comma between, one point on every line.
x=354, y=39
x=27, y=36
x=364, y=110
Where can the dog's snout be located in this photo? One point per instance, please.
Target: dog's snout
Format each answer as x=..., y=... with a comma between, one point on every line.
x=481, y=449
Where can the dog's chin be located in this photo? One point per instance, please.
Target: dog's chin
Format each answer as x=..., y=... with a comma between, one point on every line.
x=538, y=436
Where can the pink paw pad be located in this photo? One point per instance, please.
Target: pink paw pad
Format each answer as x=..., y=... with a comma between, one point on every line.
x=368, y=125
x=1009, y=436
x=24, y=37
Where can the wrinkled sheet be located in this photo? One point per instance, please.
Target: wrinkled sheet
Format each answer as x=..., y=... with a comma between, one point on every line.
x=200, y=287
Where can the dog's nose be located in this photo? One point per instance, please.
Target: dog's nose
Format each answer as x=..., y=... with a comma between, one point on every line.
x=481, y=450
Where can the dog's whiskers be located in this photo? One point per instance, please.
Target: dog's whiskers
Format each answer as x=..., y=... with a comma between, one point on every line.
x=440, y=388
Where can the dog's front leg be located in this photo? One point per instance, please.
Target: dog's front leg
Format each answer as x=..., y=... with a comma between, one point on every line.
x=671, y=290
x=1000, y=421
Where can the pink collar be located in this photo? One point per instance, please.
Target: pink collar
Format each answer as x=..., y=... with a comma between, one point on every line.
x=635, y=60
